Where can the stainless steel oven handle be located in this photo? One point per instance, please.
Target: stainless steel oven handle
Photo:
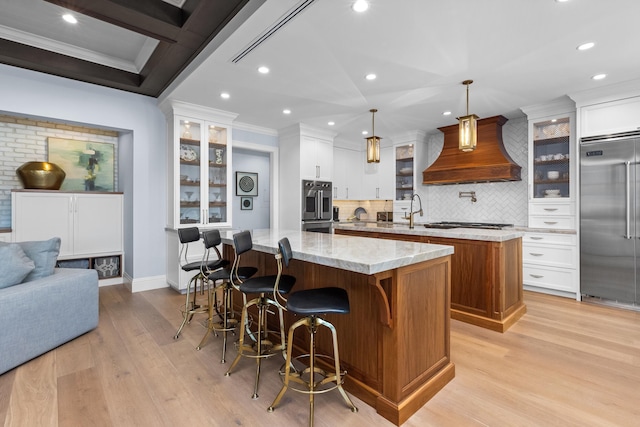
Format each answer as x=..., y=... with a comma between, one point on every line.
x=319, y=196
x=627, y=166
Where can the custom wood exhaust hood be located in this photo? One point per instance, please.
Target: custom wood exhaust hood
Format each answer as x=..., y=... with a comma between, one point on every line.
x=489, y=162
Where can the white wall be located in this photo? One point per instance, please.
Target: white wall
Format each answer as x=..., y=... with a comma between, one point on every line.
x=143, y=130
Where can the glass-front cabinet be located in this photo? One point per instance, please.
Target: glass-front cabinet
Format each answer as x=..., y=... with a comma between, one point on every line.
x=552, y=158
x=200, y=162
x=404, y=172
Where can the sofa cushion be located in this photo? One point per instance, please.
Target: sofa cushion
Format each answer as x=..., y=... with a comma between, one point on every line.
x=15, y=265
x=44, y=255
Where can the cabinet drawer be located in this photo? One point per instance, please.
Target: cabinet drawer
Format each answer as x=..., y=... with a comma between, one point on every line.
x=549, y=238
x=550, y=209
x=560, y=279
x=560, y=222
x=558, y=255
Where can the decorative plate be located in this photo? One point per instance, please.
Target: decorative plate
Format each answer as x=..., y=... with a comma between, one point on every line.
x=188, y=154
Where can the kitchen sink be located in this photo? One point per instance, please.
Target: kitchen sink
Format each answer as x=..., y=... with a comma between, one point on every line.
x=456, y=224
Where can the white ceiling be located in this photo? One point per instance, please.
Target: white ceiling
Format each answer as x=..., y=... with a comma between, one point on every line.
x=518, y=52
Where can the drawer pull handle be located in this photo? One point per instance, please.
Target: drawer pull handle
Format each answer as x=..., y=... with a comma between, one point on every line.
x=536, y=238
x=550, y=209
x=536, y=276
x=551, y=222
x=531, y=253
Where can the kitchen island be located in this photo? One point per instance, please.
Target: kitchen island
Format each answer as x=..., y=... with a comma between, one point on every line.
x=394, y=343
x=486, y=268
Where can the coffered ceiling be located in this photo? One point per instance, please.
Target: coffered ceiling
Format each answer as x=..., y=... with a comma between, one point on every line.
x=518, y=53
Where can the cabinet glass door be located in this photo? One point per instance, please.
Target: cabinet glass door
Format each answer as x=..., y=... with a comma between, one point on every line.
x=551, y=172
x=190, y=167
x=404, y=172
x=217, y=173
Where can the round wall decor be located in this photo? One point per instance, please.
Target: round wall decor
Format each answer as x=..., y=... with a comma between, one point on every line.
x=246, y=184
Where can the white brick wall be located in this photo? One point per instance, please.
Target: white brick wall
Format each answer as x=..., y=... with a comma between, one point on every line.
x=24, y=140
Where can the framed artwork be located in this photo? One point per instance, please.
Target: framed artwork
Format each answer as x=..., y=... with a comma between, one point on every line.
x=246, y=184
x=89, y=165
x=246, y=203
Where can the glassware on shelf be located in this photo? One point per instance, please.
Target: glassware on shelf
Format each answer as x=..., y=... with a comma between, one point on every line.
x=187, y=131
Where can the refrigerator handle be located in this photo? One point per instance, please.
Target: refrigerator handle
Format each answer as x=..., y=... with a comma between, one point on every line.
x=627, y=234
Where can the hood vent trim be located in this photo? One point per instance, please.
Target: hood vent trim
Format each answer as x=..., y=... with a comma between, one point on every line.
x=489, y=162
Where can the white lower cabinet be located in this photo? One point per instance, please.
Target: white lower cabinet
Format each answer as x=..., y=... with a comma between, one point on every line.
x=90, y=225
x=550, y=263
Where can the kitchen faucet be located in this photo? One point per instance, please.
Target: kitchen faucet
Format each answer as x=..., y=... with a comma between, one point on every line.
x=411, y=212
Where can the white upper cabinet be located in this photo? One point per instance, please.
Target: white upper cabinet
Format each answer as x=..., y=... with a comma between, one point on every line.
x=347, y=175
x=200, y=181
x=378, y=178
x=610, y=117
x=316, y=160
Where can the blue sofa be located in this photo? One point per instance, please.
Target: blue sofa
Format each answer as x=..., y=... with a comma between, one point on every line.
x=40, y=315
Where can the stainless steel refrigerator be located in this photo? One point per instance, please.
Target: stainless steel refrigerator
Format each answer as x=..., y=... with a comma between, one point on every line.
x=610, y=218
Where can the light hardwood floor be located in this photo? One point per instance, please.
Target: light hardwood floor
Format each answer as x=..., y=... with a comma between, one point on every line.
x=563, y=364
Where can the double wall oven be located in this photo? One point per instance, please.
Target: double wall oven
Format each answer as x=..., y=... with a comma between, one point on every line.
x=317, y=213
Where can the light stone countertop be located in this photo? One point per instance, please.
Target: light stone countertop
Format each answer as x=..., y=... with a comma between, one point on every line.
x=359, y=254
x=420, y=230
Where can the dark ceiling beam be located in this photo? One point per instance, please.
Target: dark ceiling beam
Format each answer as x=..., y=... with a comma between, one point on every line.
x=201, y=21
x=36, y=59
x=152, y=18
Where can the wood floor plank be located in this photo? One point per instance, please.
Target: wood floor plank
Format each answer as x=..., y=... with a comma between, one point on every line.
x=34, y=398
x=81, y=400
x=565, y=363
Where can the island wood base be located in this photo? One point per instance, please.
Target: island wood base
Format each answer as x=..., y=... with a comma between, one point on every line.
x=395, y=341
x=486, y=278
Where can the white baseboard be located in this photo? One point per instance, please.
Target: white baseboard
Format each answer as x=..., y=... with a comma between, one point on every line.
x=145, y=283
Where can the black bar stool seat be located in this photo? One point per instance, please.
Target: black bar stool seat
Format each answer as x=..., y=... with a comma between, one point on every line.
x=319, y=301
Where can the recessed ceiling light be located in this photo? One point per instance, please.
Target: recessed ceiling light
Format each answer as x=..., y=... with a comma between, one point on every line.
x=331, y=123
x=263, y=70
x=586, y=46
x=360, y=6
x=446, y=113
x=554, y=120
x=364, y=132
x=70, y=18
x=286, y=111
x=224, y=95
x=561, y=1
x=370, y=76
x=599, y=76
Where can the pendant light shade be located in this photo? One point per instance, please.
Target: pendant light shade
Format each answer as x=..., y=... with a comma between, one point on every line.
x=373, y=142
x=468, y=138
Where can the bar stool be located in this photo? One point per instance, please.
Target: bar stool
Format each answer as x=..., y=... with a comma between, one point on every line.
x=224, y=311
x=203, y=268
x=312, y=303
x=260, y=346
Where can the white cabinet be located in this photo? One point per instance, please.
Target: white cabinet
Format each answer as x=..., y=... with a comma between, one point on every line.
x=378, y=178
x=347, y=176
x=550, y=254
x=552, y=166
x=200, y=181
x=316, y=161
x=90, y=225
x=549, y=262
x=610, y=117
x=305, y=152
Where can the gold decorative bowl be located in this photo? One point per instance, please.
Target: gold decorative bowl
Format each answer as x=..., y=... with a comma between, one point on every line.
x=41, y=175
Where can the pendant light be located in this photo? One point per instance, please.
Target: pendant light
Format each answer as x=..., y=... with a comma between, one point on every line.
x=373, y=142
x=468, y=127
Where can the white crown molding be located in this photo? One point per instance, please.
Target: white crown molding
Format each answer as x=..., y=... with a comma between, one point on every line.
x=302, y=129
x=172, y=107
x=553, y=108
x=255, y=129
x=66, y=49
x=628, y=89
